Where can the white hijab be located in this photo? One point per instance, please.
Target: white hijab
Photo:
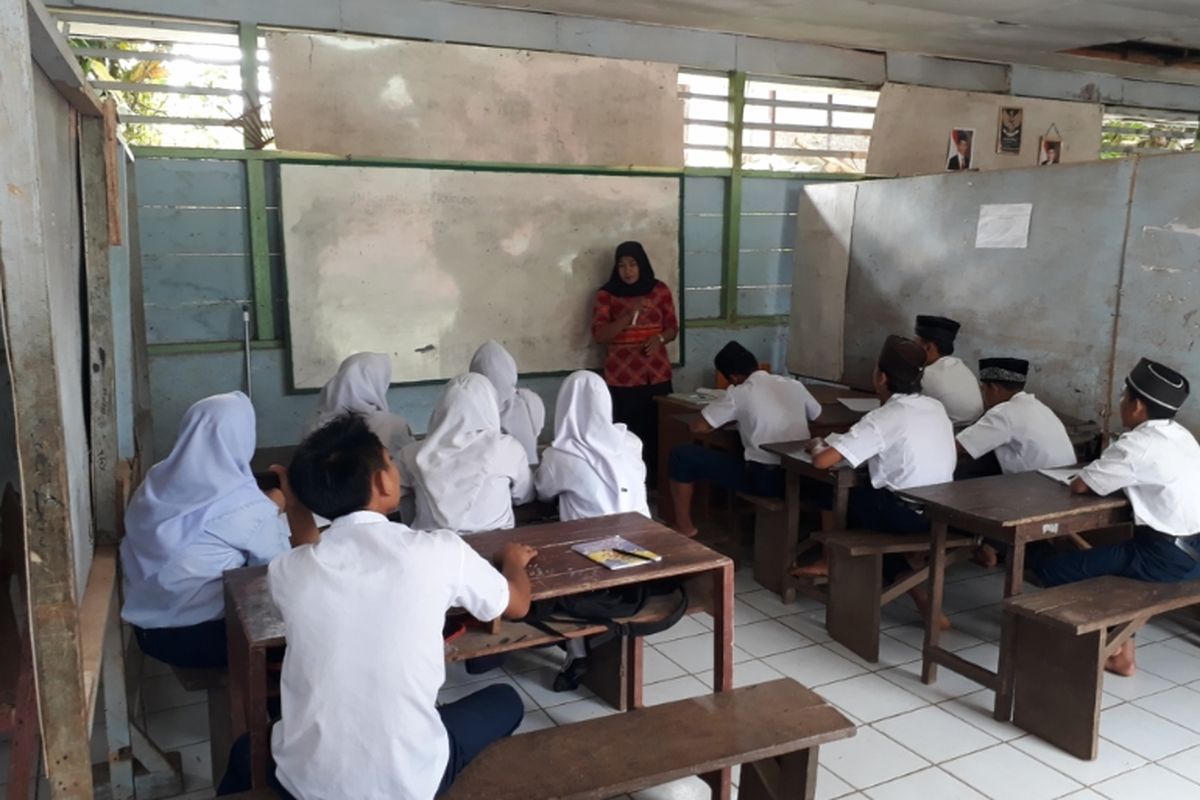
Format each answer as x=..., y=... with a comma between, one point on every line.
x=584, y=428
x=455, y=458
x=206, y=475
x=360, y=385
x=521, y=416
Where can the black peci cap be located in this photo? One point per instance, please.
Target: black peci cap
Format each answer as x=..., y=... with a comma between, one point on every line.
x=1159, y=384
x=1006, y=370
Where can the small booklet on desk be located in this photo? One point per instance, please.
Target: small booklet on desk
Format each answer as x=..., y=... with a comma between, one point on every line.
x=1064, y=475
x=616, y=552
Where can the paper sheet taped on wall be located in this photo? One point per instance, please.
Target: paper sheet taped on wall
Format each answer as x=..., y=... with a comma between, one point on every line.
x=1003, y=225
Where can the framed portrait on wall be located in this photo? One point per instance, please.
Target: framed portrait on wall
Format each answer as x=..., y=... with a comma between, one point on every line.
x=1008, y=139
x=1049, y=151
x=962, y=150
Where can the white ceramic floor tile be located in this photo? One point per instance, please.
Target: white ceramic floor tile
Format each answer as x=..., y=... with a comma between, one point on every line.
x=976, y=709
x=526, y=660
x=1151, y=781
x=830, y=786
x=1083, y=794
x=1111, y=760
x=535, y=721
x=1167, y=626
x=705, y=619
x=899, y=612
x=1181, y=705
x=657, y=667
x=914, y=636
x=676, y=689
x=1140, y=684
x=744, y=613
x=1005, y=773
x=1167, y=662
x=453, y=693
x=1108, y=700
x=685, y=789
x=936, y=734
x=982, y=623
x=870, y=698
x=686, y=627
x=773, y=606
x=892, y=653
x=974, y=593
x=814, y=666
x=695, y=653
x=536, y=684
x=743, y=581
x=1148, y=735
x=161, y=692
x=196, y=760
x=746, y=673
x=949, y=684
x=457, y=675
x=178, y=727
x=580, y=710
x=985, y=655
x=768, y=637
x=1186, y=764
x=924, y=785
x=810, y=624
x=869, y=758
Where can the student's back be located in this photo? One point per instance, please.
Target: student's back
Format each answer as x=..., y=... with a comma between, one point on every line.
x=594, y=467
x=1024, y=433
x=767, y=408
x=907, y=442
x=364, y=611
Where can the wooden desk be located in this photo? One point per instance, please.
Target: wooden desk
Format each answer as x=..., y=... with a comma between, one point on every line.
x=799, y=469
x=1015, y=509
x=254, y=625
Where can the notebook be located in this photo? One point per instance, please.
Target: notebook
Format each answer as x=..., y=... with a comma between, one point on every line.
x=1063, y=475
x=616, y=552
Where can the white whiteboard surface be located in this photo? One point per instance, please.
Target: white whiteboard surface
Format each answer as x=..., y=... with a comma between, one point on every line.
x=426, y=265
x=445, y=102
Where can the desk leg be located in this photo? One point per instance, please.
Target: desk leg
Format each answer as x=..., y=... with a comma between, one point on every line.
x=841, y=506
x=258, y=720
x=937, y=583
x=1013, y=584
x=722, y=611
x=787, y=585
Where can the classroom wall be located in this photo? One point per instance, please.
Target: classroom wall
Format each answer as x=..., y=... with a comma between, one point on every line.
x=197, y=275
x=913, y=123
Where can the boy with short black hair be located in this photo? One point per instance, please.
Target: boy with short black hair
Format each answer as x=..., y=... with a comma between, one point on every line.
x=767, y=408
x=946, y=378
x=363, y=611
x=1157, y=464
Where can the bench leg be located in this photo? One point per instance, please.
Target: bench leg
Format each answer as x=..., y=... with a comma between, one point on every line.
x=1058, y=698
x=855, y=586
x=615, y=672
x=789, y=777
x=219, y=731
x=772, y=550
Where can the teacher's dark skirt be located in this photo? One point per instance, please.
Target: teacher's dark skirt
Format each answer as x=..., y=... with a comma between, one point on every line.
x=635, y=406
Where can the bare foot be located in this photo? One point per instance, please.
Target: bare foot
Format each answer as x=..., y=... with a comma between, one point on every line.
x=817, y=569
x=1123, y=662
x=921, y=598
x=986, y=556
x=692, y=534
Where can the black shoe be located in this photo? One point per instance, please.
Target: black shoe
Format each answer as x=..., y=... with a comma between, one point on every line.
x=572, y=674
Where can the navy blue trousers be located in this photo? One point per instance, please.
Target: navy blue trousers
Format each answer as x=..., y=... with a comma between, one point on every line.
x=200, y=646
x=472, y=723
x=693, y=462
x=1145, y=557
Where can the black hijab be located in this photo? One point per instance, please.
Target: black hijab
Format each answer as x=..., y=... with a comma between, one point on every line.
x=646, y=280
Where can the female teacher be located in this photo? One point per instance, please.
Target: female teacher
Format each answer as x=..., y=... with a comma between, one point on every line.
x=635, y=317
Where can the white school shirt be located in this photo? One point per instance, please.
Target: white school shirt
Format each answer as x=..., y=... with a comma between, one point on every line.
x=768, y=408
x=951, y=382
x=187, y=589
x=1158, y=465
x=578, y=487
x=510, y=482
x=363, y=611
x=907, y=442
x=1025, y=434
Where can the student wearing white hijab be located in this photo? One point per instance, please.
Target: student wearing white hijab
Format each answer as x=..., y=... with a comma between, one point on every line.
x=466, y=473
x=594, y=467
x=198, y=513
x=522, y=412
x=360, y=385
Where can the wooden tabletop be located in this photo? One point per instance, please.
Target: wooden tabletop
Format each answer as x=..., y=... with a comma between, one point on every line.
x=557, y=571
x=793, y=456
x=1008, y=501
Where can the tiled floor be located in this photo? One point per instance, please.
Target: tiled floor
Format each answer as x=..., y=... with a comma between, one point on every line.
x=914, y=741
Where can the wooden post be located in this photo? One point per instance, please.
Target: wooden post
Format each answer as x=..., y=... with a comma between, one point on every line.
x=143, y=424
x=41, y=447
x=112, y=175
x=93, y=170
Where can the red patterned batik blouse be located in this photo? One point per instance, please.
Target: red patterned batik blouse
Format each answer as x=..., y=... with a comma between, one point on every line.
x=626, y=364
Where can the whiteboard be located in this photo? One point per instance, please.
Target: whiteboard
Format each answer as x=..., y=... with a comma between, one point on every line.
x=426, y=265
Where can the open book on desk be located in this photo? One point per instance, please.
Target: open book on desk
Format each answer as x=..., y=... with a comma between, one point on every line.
x=1064, y=475
x=861, y=404
x=807, y=458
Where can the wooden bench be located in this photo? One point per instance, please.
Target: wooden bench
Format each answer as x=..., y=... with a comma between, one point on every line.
x=1054, y=644
x=772, y=548
x=856, y=591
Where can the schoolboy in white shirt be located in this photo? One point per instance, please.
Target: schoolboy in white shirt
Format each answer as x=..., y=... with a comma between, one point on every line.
x=1157, y=464
x=363, y=611
x=946, y=378
x=907, y=442
x=767, y=408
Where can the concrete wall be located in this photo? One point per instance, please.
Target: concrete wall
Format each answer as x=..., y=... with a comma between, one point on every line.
x=913, y=124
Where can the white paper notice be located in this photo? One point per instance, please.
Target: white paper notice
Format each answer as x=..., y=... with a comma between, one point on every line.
x=1004, y=225
x=863, y=404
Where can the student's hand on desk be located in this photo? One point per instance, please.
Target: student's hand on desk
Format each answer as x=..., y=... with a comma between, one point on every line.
x=816, y=445
x=518, y=555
